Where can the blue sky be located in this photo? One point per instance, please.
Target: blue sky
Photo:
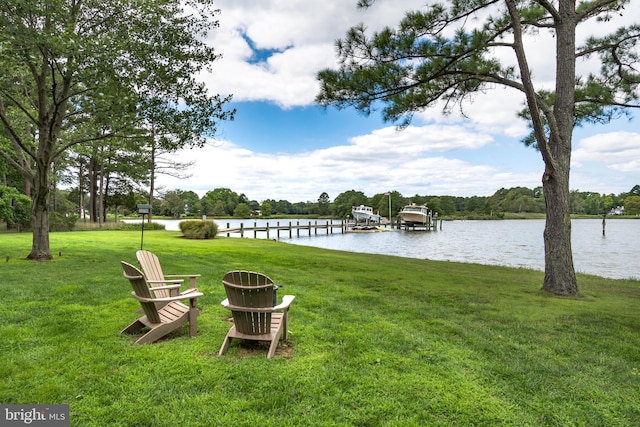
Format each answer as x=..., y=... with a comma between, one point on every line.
x=281, y=146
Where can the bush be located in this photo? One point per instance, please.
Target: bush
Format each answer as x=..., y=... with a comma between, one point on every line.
x=15, y=208
x=138, y=226
x=58, y=222
x=199, y=229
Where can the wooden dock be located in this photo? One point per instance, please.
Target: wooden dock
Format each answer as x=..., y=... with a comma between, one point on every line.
x=309, y=228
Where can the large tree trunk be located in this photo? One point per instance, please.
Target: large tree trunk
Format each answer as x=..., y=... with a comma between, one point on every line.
x=40, y=250
x=559, y=275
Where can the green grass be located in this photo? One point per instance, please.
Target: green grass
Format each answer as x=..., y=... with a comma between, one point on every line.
x=374, y=340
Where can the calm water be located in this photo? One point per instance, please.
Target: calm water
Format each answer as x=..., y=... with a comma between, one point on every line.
x=515, y=243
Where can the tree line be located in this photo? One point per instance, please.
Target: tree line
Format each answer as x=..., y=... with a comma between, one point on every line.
x=69, y=206
x=225, y=202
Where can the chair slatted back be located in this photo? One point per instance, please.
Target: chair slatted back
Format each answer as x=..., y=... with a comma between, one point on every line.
x=249, y=289
x=152, y=270
x=141, y=289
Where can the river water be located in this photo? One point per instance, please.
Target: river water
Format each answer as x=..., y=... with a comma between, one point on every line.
x=514, y=243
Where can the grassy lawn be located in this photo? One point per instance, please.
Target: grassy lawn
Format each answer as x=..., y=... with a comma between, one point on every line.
x=374, y=340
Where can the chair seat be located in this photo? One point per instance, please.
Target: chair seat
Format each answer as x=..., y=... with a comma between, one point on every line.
x=171, y=312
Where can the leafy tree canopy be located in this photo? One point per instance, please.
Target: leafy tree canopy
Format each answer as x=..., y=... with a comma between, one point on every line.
x=345, y=201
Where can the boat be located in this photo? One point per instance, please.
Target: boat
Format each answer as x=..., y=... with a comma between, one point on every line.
x=364, y=213
x=412, y=215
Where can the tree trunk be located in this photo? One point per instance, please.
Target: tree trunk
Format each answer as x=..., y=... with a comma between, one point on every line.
x=152, y=175
x=40, y=250
x=93, y=190
x=82, y=211
x=101, y=210
x=559, y=273
x=105, y=192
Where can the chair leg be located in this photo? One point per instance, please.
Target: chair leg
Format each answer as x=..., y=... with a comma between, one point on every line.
x=193, y=318
x=133, y=328
x=155, y=334
x=285, y=325
x=273, y=346
x=225, y=344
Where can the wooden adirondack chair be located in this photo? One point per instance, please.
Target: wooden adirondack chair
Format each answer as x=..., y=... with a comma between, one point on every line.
x=160, y=321
x=250, y=299
x=152, y=270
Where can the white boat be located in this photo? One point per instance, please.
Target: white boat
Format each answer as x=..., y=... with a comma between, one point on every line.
x=364, y=213
x=412, y=215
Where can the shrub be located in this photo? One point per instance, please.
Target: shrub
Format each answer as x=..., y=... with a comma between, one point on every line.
x=199, y=229
x=15, y=208
x=58, y=222
x=138, y=226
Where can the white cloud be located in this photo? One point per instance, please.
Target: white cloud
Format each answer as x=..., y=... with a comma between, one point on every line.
x=411, y=161
x=619, y=151
x=420, y=139
x=302, y=32
x=494, y=111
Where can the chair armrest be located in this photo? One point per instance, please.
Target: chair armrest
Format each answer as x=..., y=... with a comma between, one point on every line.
x=192, y=295
x=192, y=278
x=286, y=302
x=155, y=288
x=173, y=276
x=165, y=281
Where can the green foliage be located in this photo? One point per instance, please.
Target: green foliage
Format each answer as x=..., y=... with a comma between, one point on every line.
x=242, y=211
x=517, y=200
x=15, y=208
x=345, y=201
x=58, y=222
x=198, y=229
x=176, y=203
x=324, y=203
x=148, y=226
x=372, y=342
x=120, y=191
x=219, y=202
x=632, y=205
x=265, y=208
x=283, y=207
